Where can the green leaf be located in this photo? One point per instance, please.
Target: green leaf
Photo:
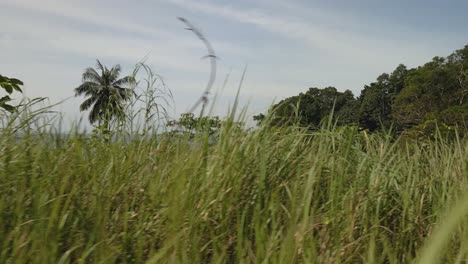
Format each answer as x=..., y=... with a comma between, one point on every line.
x=8, y=107
x=5, y=99
x=16, y=81
x=10, y=84
x=8, y=88
x=17, y=88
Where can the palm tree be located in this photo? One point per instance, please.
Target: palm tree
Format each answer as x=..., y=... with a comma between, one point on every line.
x=106, y=93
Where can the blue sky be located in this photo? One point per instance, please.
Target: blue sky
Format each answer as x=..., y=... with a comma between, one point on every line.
x=288, y=45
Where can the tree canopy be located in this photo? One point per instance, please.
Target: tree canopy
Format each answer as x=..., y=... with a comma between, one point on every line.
x=314, y=105
x=190, y=124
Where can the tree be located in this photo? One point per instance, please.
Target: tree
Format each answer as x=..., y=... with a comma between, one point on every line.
x=313, y=106
x=259, y=118
x=435, y=91
x=376, y=100
x=9, y=85
x=106, y=92
x=190, y=124
x=459, y=60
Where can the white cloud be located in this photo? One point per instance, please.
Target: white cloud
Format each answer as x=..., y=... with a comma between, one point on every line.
x=85, y=11
x=321, y=37
x=336, y=42
x=92, y=12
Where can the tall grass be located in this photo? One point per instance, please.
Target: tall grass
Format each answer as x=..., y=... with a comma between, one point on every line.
x=269, y=195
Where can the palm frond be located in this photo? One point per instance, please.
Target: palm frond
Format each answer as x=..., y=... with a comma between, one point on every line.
x=98, y=109
x=88, y=89
x=99, y=66
x=127, y=80
x=88, y=103
x=114, y=73
x=91, y=75
x=94, y=115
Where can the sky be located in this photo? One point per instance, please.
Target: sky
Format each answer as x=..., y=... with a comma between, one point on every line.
x=287, y=46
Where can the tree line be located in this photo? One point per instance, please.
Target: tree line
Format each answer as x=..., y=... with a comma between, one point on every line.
x=406, y=100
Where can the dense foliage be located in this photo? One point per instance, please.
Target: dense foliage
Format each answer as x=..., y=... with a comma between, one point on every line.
x=9, y=85
x=406, y=99
x=188, y=123
x=311, y=107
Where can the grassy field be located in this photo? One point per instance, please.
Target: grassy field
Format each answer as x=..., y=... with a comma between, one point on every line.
x=265, y=196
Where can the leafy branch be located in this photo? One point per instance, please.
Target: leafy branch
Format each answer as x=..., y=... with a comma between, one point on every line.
x=9, y=85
